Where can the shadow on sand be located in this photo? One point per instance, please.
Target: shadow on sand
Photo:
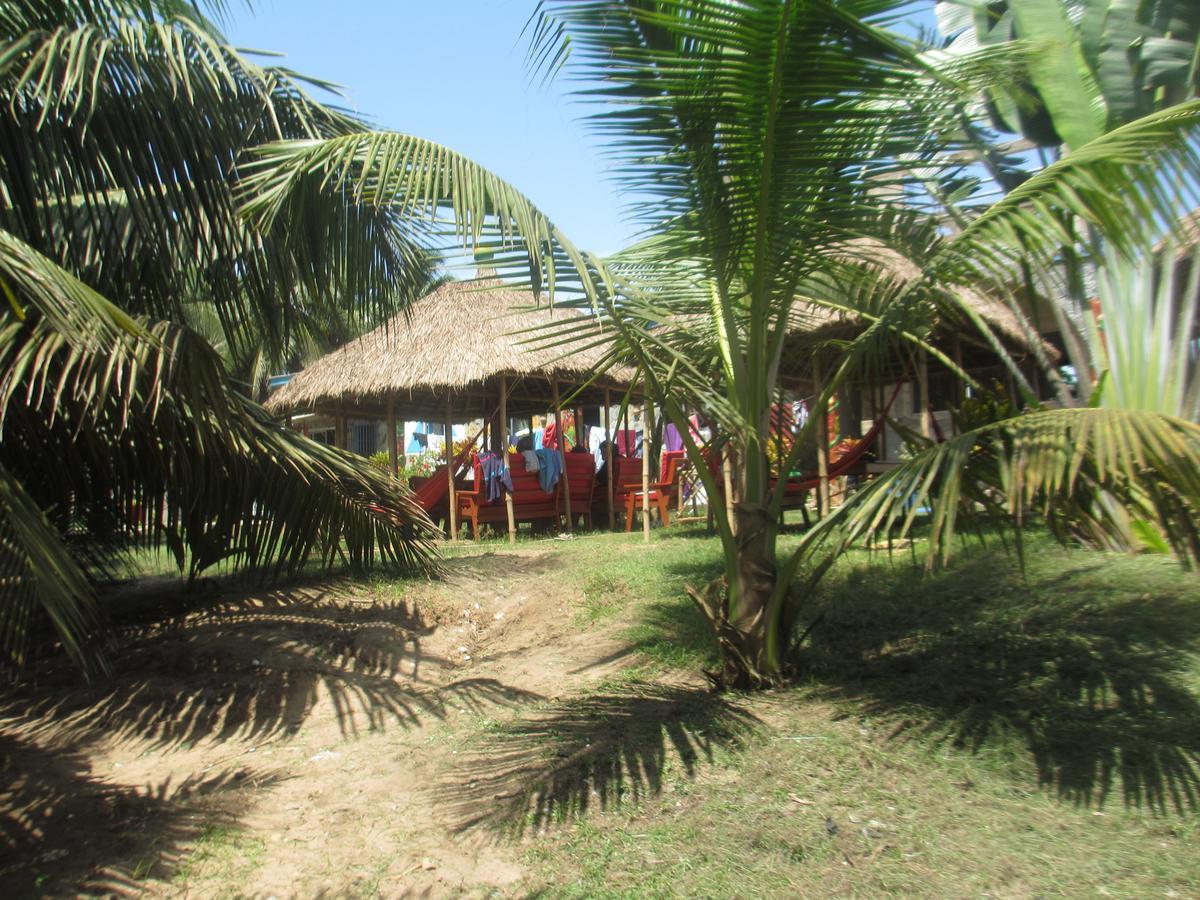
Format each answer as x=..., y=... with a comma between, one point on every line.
x=63, y=830
x=251, y=665
x=590, y=753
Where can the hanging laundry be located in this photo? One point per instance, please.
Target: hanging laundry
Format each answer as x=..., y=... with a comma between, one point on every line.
x=672, y=439
x=626, y=442
x=496, y=477
x=550, y=468
x=532, y=461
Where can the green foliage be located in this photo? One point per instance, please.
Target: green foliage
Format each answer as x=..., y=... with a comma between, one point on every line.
x=774, y=146
x=1142, y=335
x=1095, y=64
x=131, y=134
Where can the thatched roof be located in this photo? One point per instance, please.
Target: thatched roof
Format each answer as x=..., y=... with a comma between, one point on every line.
x=809, y=319
x=451, y=345
x=1185, y=235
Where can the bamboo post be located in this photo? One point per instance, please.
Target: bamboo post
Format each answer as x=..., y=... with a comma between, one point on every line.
x=923, y=394
x=680, y=482
x=608, y=458
x=560, y=440
x=508, y=504
x=822, y=411
x=451, y=497
x=393, y=463
x=339, y=431
x=646, y=472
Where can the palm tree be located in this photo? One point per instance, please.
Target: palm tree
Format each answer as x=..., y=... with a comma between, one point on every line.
x=126, y=138
x=762, y=140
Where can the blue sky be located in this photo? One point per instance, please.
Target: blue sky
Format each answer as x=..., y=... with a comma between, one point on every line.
x=453, y=72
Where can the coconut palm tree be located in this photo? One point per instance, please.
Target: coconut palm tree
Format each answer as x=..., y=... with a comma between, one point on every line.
x=126, y=130
x=763, y=139
x=760, y=141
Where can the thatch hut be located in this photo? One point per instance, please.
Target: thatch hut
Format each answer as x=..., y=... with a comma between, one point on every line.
x=450, y=352
x=468, y=350
x=924, y=393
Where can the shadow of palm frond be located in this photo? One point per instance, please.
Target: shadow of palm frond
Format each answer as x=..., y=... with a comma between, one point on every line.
x=592, y=752
x=1099, y=689
x=254, y=666
x=64, y=830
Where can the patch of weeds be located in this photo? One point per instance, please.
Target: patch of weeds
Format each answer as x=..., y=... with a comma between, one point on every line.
x=673, y=634
x=223, y=854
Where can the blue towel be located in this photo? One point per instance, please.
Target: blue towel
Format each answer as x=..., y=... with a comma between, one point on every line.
x=550, y=468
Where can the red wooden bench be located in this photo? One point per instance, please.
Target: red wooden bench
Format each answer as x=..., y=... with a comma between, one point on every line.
x=581, y=479
x=530, y=502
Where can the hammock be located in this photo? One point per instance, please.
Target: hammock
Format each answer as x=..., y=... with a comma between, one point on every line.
x=432, y=491
x=849, y=458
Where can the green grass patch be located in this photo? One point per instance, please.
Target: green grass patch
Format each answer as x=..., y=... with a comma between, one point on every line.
x=986, y=730
x=222, y=855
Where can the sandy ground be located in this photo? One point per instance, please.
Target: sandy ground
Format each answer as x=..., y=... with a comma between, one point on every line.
x=318, y=740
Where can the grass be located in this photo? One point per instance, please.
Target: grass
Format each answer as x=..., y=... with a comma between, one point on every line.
x=984, y=731
x=222, y=856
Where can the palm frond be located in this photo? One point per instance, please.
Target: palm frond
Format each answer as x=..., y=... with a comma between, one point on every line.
x=1084, y=471
x=1127, y=185
x=151, y=444
x=119, y=145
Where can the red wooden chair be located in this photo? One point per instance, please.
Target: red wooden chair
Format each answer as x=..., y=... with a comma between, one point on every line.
x=662, y=492
x=627, y=476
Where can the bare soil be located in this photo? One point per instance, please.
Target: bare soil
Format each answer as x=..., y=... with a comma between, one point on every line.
x=312, y=740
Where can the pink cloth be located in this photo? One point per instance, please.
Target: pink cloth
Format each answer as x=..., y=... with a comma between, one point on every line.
x=626, y=442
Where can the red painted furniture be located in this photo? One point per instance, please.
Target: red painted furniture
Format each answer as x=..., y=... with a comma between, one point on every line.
x=628, y=472
x=530, y=502
x=662, y=492
x=581, y=479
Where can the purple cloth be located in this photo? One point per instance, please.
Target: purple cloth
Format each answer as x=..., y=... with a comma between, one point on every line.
x=672, y=439
x=496, y=477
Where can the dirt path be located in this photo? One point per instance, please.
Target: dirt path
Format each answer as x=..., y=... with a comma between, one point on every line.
x=293, y=742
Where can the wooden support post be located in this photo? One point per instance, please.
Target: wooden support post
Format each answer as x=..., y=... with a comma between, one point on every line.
x=680, y=481
x=646, y=442
x=822, y=411
x=560, y=441
x=451, y=497
x=608, y=458
x=339, y=431
x=508, y=503
x=393, y=465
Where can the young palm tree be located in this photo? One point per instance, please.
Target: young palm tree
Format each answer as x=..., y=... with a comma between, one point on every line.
x=125, y=132
x=767, y=138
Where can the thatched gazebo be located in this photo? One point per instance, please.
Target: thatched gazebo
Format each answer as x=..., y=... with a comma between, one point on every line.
x=812, y=328
x=467, y=350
